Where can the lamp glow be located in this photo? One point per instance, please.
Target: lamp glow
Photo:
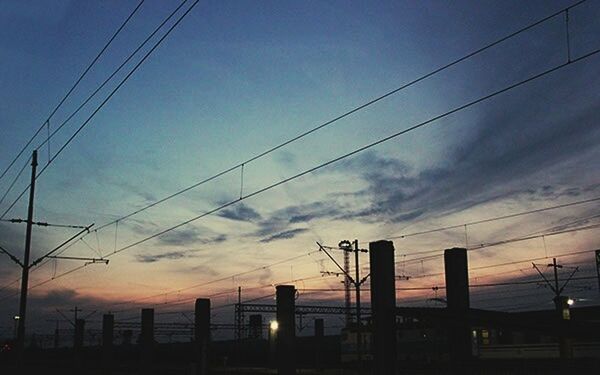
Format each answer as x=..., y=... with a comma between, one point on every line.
x=274, y=325
x=570, y=301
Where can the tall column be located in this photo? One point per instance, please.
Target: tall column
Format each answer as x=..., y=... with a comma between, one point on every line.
x=147, y=338
x=202, y=335
x=318, y=343
x=286, y=329
x=457, y=296
x=255, y=331
x=108, y=324
x=78, y=336
x=383, y=306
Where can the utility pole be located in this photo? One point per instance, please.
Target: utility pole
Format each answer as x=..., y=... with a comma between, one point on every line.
x=25, y=273
x=347, y=283
x=348, y=247
x=26, y=265
x=358, y=321
x=561, y=303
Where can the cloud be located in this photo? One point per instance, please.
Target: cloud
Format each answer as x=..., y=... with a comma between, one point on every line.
x=174, y=255
x=188, y=237
x=240, y=212
x=144, y=258
x=284, y=235
x=509, y=153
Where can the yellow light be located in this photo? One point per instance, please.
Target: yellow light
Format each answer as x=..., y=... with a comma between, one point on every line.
x=274, y=325
x=17, y=317
x=570, y=301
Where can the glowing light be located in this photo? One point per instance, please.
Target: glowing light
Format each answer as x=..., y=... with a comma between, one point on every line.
x=274, y=325
x=17, y=317
x=570, y=301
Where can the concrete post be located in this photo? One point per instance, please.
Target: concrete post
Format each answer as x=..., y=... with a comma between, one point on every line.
x=255, y=331
x=108, y=324
x=383, y=306
x=202, y=335
x=78, y=337
x=318, y=344
x=147, y=338
x=286, y=329
x=457, y=296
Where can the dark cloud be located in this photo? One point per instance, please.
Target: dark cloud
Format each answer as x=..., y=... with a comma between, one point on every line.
x=189, y=237
x=284, y=219
x=174, y=255
x=144, y=258
x=240, y=212
x=509, y=153
x=181, y=237
x=284, y=235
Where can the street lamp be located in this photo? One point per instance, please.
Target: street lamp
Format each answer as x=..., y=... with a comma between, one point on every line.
x=274, y=326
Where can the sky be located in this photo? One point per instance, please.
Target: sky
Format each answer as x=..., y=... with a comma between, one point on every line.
x=235, y=79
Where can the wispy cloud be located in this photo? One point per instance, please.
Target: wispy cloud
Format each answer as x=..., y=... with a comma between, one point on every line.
x=240, y=212
x=284, y=235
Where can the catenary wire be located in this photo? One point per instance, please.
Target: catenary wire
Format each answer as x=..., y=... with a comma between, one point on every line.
x=56, y=108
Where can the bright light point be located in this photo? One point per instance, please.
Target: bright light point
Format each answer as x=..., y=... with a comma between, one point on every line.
x=17, y=317
x=274, y=325
x=570, y=301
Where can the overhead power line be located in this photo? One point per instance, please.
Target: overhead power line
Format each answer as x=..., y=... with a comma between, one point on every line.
x=510, y=216
x=103, y=103
x=542, y=234
x=562, y=255
x=60, y=103
x=341, y=116
x=363, y=148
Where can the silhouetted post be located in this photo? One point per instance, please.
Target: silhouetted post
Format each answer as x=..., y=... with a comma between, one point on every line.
x=25, y=266
x=383, y=306
x=108, y=324
x=78, y=337
x=255, y=331
x=147, y=338
x=202, y=334
x=318, y=344
x=56, y=337
x=457, y=296
x=286, y=329
x=564, y=314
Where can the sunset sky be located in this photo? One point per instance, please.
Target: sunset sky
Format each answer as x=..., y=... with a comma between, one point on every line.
x=236, y=78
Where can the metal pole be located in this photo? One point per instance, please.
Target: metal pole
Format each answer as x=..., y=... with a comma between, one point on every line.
x=25, y=273
x=358, y=321
x=555, y=277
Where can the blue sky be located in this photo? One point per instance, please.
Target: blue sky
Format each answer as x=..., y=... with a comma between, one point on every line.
x=236, y=78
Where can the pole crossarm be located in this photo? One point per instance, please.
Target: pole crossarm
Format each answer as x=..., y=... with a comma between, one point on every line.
x=12, y=257
x=35, y=262
x=568, y=279
x=545, y=279
x=89, y=260
x=336, y=263
x=45, y=224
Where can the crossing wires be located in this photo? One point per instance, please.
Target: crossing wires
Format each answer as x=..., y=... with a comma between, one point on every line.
x=70, y=91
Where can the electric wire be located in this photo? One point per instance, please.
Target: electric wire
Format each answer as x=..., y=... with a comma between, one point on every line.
x=363, y=148
x=56, y=108
x=346, y=114
x=106, y=100
x=510, y=216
